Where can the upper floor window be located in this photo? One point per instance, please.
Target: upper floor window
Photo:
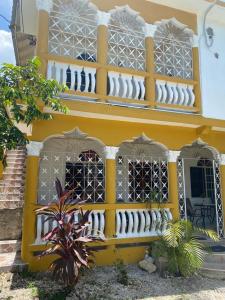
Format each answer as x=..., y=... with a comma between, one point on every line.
x=73, y=29
x=126, y=39
x=173, y=49
x=142, y=171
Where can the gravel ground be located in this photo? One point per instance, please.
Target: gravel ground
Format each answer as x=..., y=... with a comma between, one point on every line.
x=101, y=284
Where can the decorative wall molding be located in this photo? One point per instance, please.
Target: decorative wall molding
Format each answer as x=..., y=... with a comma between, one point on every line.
x=34, y=148
x=126, y=18
x=46, y=5
x=222, y=159
x=195, y=41
x=150, y=30
x=103, y=18
x=173, y=155
x=110, y=152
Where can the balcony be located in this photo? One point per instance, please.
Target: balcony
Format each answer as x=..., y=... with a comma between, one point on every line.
x=151, y=66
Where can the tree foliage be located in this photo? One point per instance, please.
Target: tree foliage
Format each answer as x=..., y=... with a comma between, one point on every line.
x=180, y=244
x=23, y=94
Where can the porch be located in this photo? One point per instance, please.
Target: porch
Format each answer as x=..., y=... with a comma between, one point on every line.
x=133, y=190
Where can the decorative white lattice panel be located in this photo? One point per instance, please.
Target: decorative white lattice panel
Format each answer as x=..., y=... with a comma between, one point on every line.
x=143, y=179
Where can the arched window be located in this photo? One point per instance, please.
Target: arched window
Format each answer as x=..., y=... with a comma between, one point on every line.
x=78, y=161
x=173, y=49
x=142, y=171
x=73, y=29
x=126, y=39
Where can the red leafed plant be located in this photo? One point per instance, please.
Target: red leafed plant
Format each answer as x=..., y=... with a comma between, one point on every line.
x=68, y=239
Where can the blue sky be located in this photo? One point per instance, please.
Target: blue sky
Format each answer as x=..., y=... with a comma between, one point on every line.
x=6, y=47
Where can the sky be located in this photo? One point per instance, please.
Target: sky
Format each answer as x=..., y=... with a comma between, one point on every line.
x=6, y=46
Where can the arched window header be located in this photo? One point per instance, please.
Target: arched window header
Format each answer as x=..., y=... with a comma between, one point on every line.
x=199, y=149
x=174, y=30
x=76, y=9
x=127, y=19
x=143, y=146
x=75, y=141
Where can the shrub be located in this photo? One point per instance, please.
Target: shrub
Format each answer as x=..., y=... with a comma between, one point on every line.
x=68, y=240
x=180, y=245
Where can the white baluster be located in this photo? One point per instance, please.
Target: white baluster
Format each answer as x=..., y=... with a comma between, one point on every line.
x=169, y=214
x=87, y=79
x=49, y=71
x=158, y=91
x=111, y=84
x=164, y=91
x=90, y=224
x=170, y=92
x=96, y=223
x=102, y=223
x=164, y=219
x=46, y=225
x=124, y=223
x=39, y=230
x=148, y=221
x=129, y=86
x=123, y=86
x=137, y=87
x=153, y=224
x=159, y=220
x=58, y=72
x=142, y=84
x=181, y=94
x=117, y=84
x=93, y=80
x=142, y=223
x=130, y=223
x=136, y=222
x=186, y=95
x=118, y=223
x=191, y=94
x=75, y=217
x=175, y=93
x=79, y=78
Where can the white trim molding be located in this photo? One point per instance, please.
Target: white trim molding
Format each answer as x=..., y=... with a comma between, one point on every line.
x=110, y=152
x=222, y=159
x=46, y=5
x=173, y=155
x=103, y=18
x=34, y=148
x=150, y=30
x=195, y=41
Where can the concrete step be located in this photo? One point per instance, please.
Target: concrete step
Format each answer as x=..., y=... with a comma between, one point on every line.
x=11, y=196
x=213, y=270
x=13, y=182
x=216, y=258
x=11, y=189
x=8, y=246
x=11, y=262
x=20, y=177
x=11, y=204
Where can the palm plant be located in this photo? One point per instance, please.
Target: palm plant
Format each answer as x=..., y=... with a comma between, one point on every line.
x=180, y=245
x=67, y=239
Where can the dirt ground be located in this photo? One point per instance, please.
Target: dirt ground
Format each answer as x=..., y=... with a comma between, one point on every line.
x=101, y=283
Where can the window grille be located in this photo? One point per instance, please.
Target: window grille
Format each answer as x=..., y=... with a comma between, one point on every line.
x=73, y=30
x=126, y=49
x=126, y=39
x=173, y=50
x=142, y=179
x=84, y=171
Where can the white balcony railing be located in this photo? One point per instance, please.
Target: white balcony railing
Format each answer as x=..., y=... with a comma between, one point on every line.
x=96, y=227
x=175, y=93
x=126, y=86
x=77, y=78
x=141, y=222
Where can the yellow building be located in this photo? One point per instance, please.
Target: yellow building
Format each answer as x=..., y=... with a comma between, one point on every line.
x=137, y=141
